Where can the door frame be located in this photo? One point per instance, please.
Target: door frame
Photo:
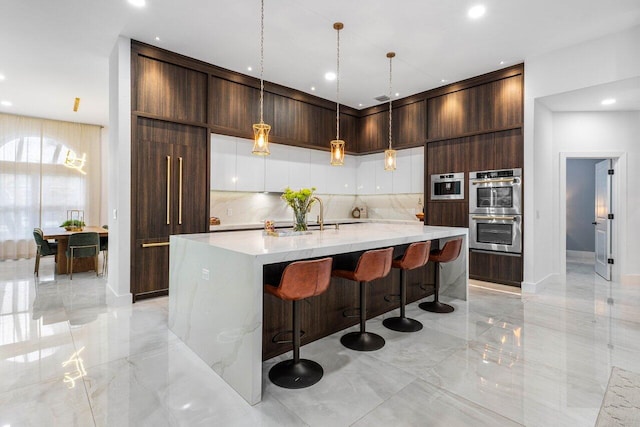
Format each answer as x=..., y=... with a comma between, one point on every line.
x=618, y=205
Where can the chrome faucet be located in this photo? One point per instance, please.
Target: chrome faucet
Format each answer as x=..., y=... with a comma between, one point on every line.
x=321, y=216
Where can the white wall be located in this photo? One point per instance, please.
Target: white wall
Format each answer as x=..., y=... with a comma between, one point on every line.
x=595, y=62
x=120, y=169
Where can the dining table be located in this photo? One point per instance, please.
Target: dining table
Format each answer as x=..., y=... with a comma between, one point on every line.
x=61, y=236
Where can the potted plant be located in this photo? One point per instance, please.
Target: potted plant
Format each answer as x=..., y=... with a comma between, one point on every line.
x=73, y=225
x=300, y=201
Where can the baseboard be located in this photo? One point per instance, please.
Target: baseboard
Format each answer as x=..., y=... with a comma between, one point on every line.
x=630, y=279
x=116, y=300
x=533, y=287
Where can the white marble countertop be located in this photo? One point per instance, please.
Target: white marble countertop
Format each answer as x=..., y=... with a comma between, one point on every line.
x=313, y=224
x=348, y=238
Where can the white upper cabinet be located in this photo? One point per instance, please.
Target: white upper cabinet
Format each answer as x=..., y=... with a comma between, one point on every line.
x=384, y=178
x=276, y=177
x=366, y=175
x=417, y=170
x=342, y=179
x=299, y=171
x=319, y=170
x=223, y=162
x=402, y=174
x=249, y=167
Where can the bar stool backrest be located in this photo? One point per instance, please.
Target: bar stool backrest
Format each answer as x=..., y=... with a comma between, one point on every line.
x=416, y=255
x=373, y=265
x=449, y=252
x=304, y=279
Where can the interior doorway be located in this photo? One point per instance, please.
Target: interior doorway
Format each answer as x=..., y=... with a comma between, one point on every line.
x=584, y=237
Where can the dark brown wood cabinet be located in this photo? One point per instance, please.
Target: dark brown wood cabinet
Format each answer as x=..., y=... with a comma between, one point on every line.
x=409, y=124
x=373, y=133
x=170, y=176
x=495, y=267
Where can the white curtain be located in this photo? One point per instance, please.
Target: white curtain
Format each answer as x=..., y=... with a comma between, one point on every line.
x=36, y=188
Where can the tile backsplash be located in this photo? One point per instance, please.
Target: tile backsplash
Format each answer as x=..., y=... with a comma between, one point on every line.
x=250, y=208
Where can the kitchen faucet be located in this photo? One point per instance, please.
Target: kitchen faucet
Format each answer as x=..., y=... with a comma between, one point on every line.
x=321, y=216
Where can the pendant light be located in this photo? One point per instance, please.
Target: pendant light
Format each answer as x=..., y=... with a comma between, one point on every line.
x=337, y=145
x=390, y=154
x=261, y=130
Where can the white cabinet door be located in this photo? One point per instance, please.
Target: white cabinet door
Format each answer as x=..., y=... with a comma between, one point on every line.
x=223, y=162
x=384, y=178
x=417, y=170
x=276, y=169
x=318, y=170
x=341, y=179
x=366, y=175
x=299, y=176
x=402, y=174
x=249, y=167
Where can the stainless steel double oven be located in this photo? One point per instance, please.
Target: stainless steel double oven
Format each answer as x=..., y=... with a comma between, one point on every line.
x=495, y=210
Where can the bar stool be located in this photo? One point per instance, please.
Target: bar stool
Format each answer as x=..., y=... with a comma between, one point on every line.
x=300, y=280
x=416, y=255
x=449, y=252
x=371, y=265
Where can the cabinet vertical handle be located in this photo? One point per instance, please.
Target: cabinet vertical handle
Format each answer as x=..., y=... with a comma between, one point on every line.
x=180, y=194
x=168, y=190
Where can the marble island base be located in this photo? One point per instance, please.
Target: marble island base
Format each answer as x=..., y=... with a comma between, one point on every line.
x=216, y=301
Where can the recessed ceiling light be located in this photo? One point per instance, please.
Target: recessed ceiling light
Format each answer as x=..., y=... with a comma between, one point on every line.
x=608, y=101
x=397, y=93
x=157, y=38
x=330, y=76
x=313, y=88
x=501, y=62
x=1, y=77
x=6, y=103
x=138, y=3
x=443, y=80
x=359, y=105
x=249, y=69
x=476, y=11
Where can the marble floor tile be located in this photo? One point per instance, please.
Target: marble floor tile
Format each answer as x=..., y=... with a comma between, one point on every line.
x=422, y=404
x=540, y=359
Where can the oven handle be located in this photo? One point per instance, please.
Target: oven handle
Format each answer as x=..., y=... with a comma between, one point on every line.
x=495, y=218
x=515, y=180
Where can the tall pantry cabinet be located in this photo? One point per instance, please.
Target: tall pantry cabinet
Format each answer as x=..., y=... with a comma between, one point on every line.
x=170, y=162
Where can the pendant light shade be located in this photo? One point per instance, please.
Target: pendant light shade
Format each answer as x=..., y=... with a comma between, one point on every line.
x=261, y=130
x=390, y=153
x=337, y=145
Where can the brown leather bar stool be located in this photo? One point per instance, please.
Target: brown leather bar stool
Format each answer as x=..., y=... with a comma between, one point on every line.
x=449, y=252
x=372, y=265
x=300, y=280
x=416, y=255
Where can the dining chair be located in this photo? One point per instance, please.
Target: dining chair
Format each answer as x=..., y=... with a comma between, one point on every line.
x=44, y=248
x=104, y=248
x=83, y=245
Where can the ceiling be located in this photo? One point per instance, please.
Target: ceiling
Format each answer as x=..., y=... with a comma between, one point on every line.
x=54, y=51
x=626, y=94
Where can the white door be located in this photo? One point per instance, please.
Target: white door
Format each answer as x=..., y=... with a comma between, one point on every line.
x=602, y=222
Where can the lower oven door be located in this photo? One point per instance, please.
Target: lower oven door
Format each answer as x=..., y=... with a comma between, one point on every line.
x=500, y=233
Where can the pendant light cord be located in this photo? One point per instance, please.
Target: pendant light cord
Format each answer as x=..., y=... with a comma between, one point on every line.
x=261, y=61
x=338, y=88
x=390, y=107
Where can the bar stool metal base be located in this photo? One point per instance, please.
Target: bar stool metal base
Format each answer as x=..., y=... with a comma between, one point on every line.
x=402, y=324
x=362, y=341
x=288, y=374
x=436, y=307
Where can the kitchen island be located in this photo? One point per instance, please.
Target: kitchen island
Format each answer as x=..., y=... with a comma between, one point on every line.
x=216, y=286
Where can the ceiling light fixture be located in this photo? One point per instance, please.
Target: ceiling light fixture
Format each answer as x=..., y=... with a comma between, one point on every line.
x=138, y=3
x=501, y=62
x=261, y=130
x=331, y=76
x=249, y=69
x=337, y=145
x=2, y=77
x=390, y=153
x=608, y=101
x=6, y=103
x=477, y=11
x=157, y=38
x=313, y=88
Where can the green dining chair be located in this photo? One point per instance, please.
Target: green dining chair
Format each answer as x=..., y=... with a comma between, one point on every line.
x=83, y=245
x=44, y=248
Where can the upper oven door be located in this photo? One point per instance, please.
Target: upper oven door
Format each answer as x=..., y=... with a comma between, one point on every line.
x=500, y=196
